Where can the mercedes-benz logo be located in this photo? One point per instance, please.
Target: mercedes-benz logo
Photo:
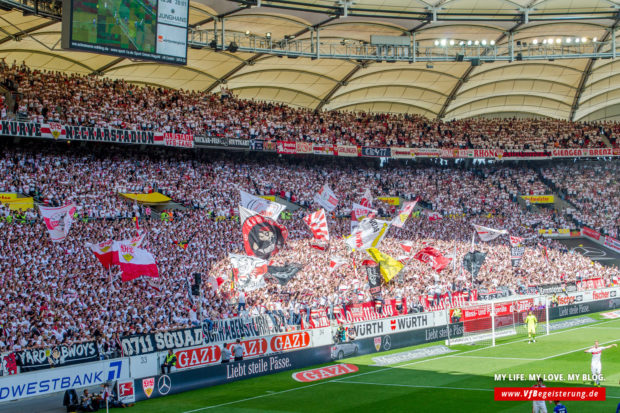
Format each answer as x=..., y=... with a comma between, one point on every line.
x=164, y=384
x=387, y=343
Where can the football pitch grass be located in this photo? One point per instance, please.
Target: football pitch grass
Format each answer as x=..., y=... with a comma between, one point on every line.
x=461, y=381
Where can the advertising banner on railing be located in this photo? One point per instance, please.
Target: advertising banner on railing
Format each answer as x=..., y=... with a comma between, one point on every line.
x=539, y=199
x=181, y=140
x=612, y=243
x=376, y=152
x=62, y=378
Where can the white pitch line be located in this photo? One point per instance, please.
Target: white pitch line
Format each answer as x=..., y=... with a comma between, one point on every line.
x=573, y=351
x=372, y=372
x=418, y=386
x=496, y=358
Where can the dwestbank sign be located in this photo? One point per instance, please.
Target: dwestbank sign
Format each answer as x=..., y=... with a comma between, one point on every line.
x=59, y=131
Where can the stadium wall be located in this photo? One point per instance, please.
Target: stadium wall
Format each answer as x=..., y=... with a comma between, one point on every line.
x=60, y=132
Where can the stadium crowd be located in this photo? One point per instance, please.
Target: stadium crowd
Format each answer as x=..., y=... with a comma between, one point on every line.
x=58, y=292
x=97, y=101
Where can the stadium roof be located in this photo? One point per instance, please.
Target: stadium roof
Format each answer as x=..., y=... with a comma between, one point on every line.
x=579, y=89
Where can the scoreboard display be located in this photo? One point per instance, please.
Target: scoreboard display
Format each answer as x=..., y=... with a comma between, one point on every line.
x=137, y=29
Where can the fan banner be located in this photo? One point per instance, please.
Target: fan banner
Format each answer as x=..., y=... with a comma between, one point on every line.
x=431, y=256
x=472, y=262
x=326, y=198
x=368, y=234
x=283, y=274
x=136, y=262
x=515, y=241
x=388, y=266
x=516, y=254
x=434, y=216
x=318, y=225
x=488, y=234
x=400, y=219
x=58, y=220
x=261, y=206
x=248, y=271
x=262, y=237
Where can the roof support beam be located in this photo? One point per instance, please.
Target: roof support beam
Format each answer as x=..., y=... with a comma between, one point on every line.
x=343, y=82
x=27, y=31
x=588, y=71
x=229, y=74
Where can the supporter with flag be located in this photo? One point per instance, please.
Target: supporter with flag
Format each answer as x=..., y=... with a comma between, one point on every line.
x=318, y=225
x=261, y=206
x=135, y=262
x=326, y=198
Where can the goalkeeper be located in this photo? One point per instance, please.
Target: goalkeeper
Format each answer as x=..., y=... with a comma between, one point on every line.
x=531, y=322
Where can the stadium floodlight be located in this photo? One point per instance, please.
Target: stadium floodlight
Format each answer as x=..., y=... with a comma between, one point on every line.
x=484, y=42
x=436, y=42
x=595, y=39
x=476, y=42
x=550, y=41
x=492, y=42
x=577, y=39
x=469, y=43
x=461, y=43
x=247, y=32
x=568, y=40
x=451, y=42
x=544, y=41
x=535, y=41
x=558, y=40
x=584, y=40
x=443, y=42
x=268, y=35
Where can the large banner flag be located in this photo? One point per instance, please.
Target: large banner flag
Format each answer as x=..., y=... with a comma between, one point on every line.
x=262, y=236
x=326, y=198
x=488, y=234
x=368, y=234
x=261, y=206
x=248, y=272
x=400, y=219
x=359, y=212
x=388, y=266
x=58, y=220
x=136, y=241
x=136, y=262
x=103, y=251
x=472, y=262
x=318, y=225
x=283, y=274
x=431, y=256
x=336, y=262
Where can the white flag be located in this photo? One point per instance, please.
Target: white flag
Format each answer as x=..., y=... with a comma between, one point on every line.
x=488, y=234
x=368, y=234
x=262, y=206
x=249, y=271
x=318, y=225
x=326, y=198
x=58, y=220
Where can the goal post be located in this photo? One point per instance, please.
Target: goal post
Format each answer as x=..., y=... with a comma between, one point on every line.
x=484, y=323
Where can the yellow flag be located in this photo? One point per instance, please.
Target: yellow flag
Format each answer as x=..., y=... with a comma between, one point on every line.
x=388, y=266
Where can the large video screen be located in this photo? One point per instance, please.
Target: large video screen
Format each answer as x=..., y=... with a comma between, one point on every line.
x=139, y=29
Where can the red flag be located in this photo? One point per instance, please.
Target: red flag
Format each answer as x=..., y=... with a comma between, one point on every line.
x=431, y=256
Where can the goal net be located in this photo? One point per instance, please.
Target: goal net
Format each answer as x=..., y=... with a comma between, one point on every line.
x=485, y=323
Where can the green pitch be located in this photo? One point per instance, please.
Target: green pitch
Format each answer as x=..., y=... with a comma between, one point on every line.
x=461, y=381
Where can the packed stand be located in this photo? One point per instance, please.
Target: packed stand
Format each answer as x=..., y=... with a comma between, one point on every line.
x=97, y=101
